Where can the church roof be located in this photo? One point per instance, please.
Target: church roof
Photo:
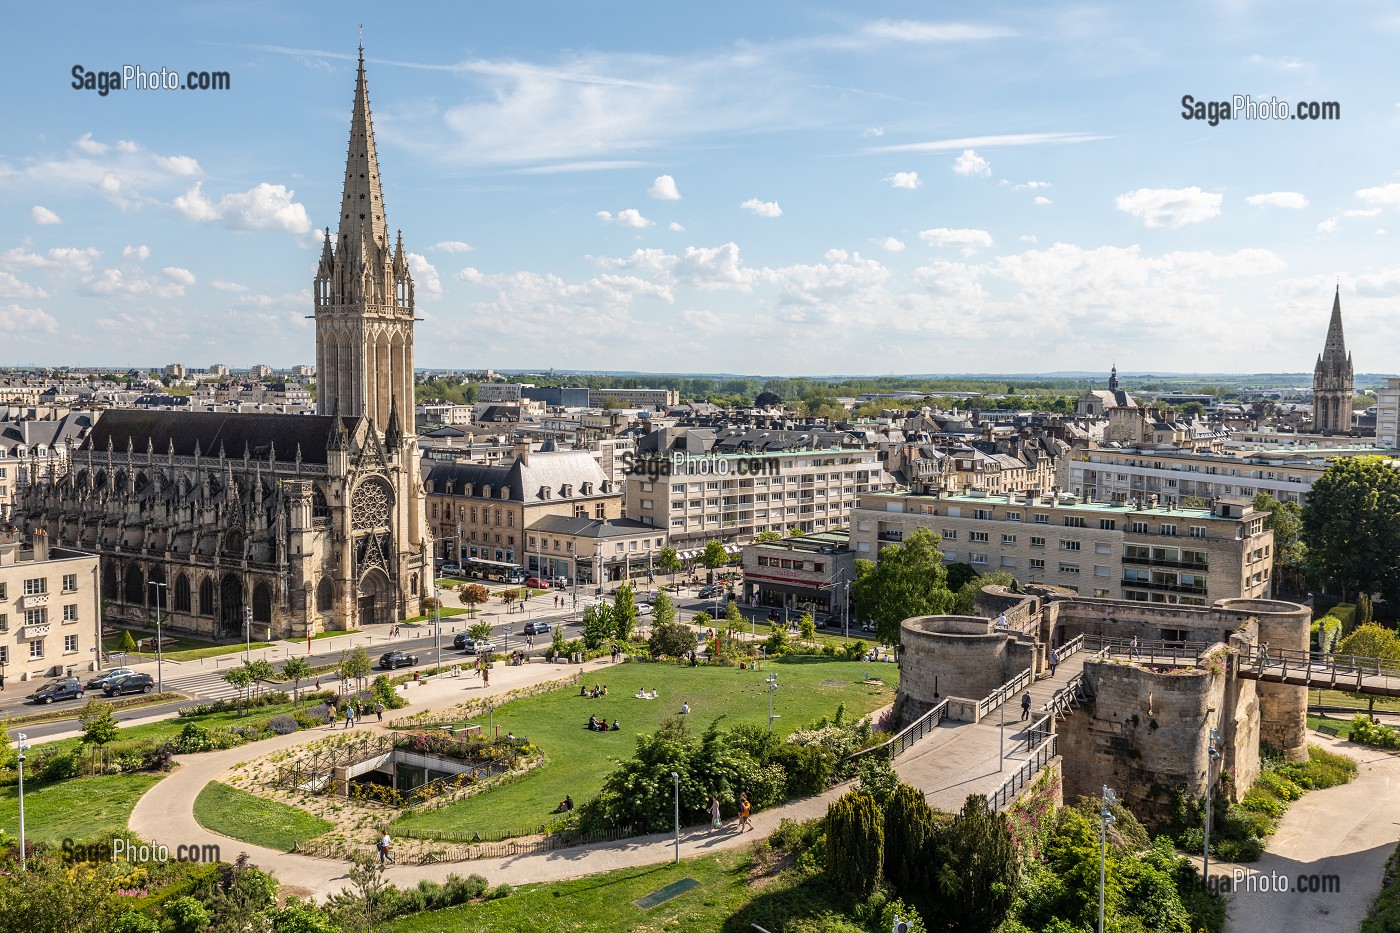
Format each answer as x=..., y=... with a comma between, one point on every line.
x=212, y=429
x=1334, y=351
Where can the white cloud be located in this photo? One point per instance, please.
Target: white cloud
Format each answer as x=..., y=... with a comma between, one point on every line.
x=1170, y=207
x=892, y=245
x=177, y=274
x=1027, y=238
x=13, y=287
x=964, y=237
x=664, y=189
x=907, y=30
x=19, y=323
x=970, y=163
x=762, y=208
x=908, y=180
x=43, y=216
x=1289, y=199
x=451, y=246
x=224, y=286
x=140, y=253
x=675, y=227
x=425, y=276
x=880, y=130
x=837, y=255
x=1030, y=186
x=1328, y=226
x=1362, y=212
x=89, y=145
x=131, y=283
x=988, y=142
x=1041, y=200
x=1385, y=194
x=631, y=217
x=69, y=258
x=1287, y=63
x=261, y=208
x=179, y=165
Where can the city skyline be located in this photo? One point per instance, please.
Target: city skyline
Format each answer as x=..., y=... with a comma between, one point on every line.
x=1013, y=191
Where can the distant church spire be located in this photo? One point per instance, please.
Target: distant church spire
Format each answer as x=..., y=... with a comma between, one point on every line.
x=1113, y=378
x=1334, y=382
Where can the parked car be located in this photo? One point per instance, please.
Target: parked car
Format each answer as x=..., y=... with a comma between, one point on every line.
x=474, y=646
x=710, y=590
x=131, y=683
x=868, y=625
x=390, y=660
x=106, y=677
x=534, y=583
x=536, y=628
x=644, y=609
x=60, y=688
x=449, y=570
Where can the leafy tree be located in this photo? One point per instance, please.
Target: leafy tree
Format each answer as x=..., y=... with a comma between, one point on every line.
x=712, y=558
x=509, y=597
x=240, y=678
x=766, y=399
x=796, y=531
x=807, y=627
x=598, y=625
x=298, y=917
x=959, y=574
x=777, y=637
x=1285, y=520
x=624, y=612
x=663, y=611
x=763, y=537
x=1371, y=641
x=671, y=639
x=261, y=671
x=977, y=874
x=297, y=670
x=669, y=561
x=472, y=595
x=354, y=665
x=128, y=643
x=733, y=618
x=855, y=844
x=908, y=581
x=965, y=600
x=99, y=726
x=911, y=834
x=481, y=631
x=1352, y=526
x=186, y=914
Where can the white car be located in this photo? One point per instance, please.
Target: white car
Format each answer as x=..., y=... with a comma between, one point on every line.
x=449, y=570
x=644, y=609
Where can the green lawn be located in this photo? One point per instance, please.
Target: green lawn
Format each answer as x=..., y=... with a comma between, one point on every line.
x=1341, y=723
x=577, y=760
x=252, y=819
x=1338, y=698
x=183, y=649
x=81, y=808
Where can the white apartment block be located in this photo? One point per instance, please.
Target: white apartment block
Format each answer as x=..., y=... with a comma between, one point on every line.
x=634, y=398
x=1388, y=414
x=499, y=392
x=49, y=612
x=1189, y=557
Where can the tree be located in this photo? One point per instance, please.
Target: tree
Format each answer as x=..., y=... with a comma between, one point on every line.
x=763, y=537
x=671, y=639
x=807, y=627
x=298, y=669
x=669, y=561
x=624, y=612
x=508, y=597
x=733, y=618
x=796, y=531
x=598, y=625
x=978, y=872
x=128, y=643
x=472, y=595
x=713, y=558
x=663, y=611
x=965, y=600
x=480, y=631
x=1371, y=641
x=240, y=678
x=354, y=665
x=99, y=726
x=1285, y=520
x=767, y=399
x=260, y=672
x=911, y=831
x=855, y=844
x=908, y=581
x=1352, y=526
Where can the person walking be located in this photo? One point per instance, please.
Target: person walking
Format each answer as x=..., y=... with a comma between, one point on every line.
x=379, y=710
x=349, y=717
x=1026, y=706
x=744, y=810
x=383, y=846
x=485, y=677
x=1054, y=661
x=1133, y=648
x=715, y=821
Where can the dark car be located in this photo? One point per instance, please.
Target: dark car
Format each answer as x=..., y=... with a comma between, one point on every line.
x=710, y=590
x=60, y=688
x=106, y=677
x=390, y=660
x=536, y=628
x=131, y=683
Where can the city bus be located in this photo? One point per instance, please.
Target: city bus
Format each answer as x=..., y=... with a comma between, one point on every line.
x=494, y=570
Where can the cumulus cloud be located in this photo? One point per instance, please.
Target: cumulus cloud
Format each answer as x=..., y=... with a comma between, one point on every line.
x=1031, y=186
x=908, y=180
x=425, y=276
x=892, y=245
x=1384, y=194
x=130, y=283
x=71, y=258
x=179, y=165
x=837, y=255
x=970, y=163
x=664, y=189
x=139, y=253
x=1328, y=226
x=224, y=286
x=12, y=286
x=451, y=246
x=1170, y=207
x=1289, y=199
x=675, y=227
x=19, y=323
x=265, y=207
x=631, y=217
x=964, y=237
x=1041, y=200
x=43, y=216
x=87, y=144
x=762, y=208
x=177, y=274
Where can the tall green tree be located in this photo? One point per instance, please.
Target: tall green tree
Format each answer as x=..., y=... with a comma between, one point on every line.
x=99, y=726
x=909, y=580
x=911, y=830
x=855, y=844
x=296, y=670
x=668, y=561
x=1352, y=526
x=598, y=625
x=977, y=872
x=1285, y=520
x=712, y=558
x=240, y=678
x=1371, y=641
x=663, y=611
x=624, y=612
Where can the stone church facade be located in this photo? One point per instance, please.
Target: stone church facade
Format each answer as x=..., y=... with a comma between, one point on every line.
x=297, y=523
x=1334, y=382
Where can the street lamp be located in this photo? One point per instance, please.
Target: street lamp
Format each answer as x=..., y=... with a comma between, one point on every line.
x=160, y=683
x=772, y=683
x=248, y=633
x=437, y=617
x=1001, y=755
x=22, y=749
x=1213, y=754
x=674, y=777
x=1110, y=799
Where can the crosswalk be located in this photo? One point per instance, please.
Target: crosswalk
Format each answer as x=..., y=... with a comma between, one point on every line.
x=209, y=685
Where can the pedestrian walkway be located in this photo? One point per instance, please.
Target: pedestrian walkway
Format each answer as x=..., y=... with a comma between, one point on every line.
x=206, y=685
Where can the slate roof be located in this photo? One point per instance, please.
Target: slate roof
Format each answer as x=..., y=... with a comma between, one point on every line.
x=552, y=470
x=210, y=429
x=592, y=527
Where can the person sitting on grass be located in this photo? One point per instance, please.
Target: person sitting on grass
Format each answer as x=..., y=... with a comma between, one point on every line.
x=616, y=727
x=685, y=708
x=592, y=723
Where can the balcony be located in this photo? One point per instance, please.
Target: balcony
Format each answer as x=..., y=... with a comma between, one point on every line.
x=1195, y=589
x=1198, y=566
x=887, y=535
x=34, y=601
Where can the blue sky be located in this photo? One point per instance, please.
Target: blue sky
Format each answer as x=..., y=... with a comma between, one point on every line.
x=775, y=188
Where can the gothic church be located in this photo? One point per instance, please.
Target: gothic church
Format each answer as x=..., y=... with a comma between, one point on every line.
x=297, y=523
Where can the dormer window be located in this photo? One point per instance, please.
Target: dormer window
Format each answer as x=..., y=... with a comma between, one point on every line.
x=486, y=491
x=544, y=492
x=566, y=491
x=587, y=489
x=505, y=492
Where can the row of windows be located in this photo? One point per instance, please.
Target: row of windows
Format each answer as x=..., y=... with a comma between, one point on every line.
x=37, y=586
x=1078, y=521
x=786, y=564
x=40, y=616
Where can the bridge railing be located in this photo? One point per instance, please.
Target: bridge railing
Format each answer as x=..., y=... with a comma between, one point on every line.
x=901, y=741
x=1038, y=759
x=998, y=696
x=1148, y=652
x=1340, y=671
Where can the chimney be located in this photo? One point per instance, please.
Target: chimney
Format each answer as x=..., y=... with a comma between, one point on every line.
x=522, y=452
x=41, y=545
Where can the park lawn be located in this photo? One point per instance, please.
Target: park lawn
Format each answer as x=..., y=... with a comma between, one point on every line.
x=1341, y=723
x=255, y=820
x=577, y=760
x=729, y=899
x=446, y=611
x=79, y=808
x=1339, y=698
x=184, y=649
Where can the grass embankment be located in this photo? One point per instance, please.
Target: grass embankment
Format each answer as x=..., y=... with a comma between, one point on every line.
x=79, y=808
x=255, y=820
x=577, y=760
x=182, y=649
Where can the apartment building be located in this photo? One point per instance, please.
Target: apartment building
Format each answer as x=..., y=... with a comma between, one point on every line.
x=801, y=573
x=634, y=398
x=1388, y=413
x=50, y=622
x=589, y=550
x=499, y=392
x=1180, y=556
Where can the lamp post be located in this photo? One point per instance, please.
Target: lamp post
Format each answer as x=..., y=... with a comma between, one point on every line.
x=674, y=777
x=248, y=633
x=1110, y=799
x=437, y=617
x=22, y=749
x=160, y=681
x=772, y=683
x=1001, y=754
x=1211, y=755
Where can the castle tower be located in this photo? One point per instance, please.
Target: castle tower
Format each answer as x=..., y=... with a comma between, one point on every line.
x=363, y=292
x=1333, y=381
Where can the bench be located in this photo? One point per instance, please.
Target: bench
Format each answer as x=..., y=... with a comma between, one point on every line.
x=1326, y=729
x=146, y=644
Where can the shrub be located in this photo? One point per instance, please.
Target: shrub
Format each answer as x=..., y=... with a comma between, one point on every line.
x=60, y=766
x=855, y=844
x=158, y=758
x=133, y=921
x=459, y=890
x=808, y=768
x=1368, y=733
x=194, y=738
x=320, y=713
x=910, y=828
x=187, y=915
x=283, y=725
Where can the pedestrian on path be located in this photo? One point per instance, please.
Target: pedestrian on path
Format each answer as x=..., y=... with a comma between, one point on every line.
x=1026, y=706
x=383, y=846
x=744, y=809
x=485, y=677
x=715, y=821
x=1054, y=661
x=379, y=710
x=349, y=717
x=1133, y=648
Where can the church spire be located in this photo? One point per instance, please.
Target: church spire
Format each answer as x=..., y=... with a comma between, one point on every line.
x=362, y=203
x=1334, y=351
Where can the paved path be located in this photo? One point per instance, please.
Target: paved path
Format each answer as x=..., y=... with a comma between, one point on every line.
x=1345, y=832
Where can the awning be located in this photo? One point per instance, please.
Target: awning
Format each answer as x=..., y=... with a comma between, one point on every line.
x=734, y=549
x=688, y=555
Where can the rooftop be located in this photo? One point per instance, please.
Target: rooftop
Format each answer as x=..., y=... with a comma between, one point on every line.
x=1063, y=503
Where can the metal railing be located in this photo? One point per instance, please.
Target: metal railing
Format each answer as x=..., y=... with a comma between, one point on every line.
x=1149, y=652
x=902, y=740
x=1023, y=775
x=1315, y=669
x=998, y=696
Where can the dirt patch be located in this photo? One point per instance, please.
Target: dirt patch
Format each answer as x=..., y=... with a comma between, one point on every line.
x=767, y=864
